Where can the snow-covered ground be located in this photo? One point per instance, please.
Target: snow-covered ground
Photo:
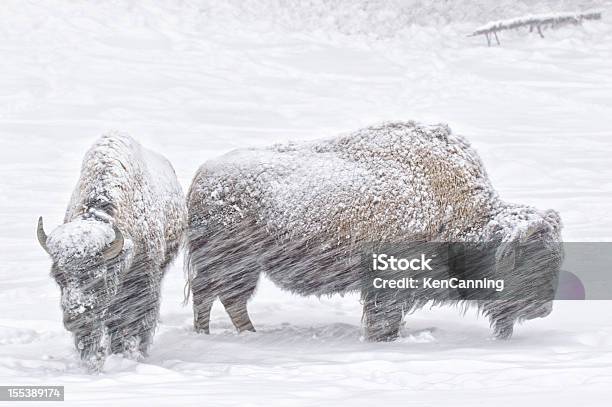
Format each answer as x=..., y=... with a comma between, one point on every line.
x=194, y=79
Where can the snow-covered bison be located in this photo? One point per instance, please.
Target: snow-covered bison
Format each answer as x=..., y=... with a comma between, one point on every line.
x=123, y=227
x=302, y=213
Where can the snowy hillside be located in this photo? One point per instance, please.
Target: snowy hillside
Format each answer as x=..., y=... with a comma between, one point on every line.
x=194, y=79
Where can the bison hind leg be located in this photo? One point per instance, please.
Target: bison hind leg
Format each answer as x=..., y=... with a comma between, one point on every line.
x=237, y=310
x=239, y=287
x=202, y=305
x=224, y=265
x=234, y=294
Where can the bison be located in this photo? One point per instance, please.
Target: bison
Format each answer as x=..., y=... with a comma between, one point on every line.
x=302, y=213
x=122, y=229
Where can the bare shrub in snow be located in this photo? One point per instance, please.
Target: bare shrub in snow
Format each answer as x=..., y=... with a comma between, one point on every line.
x=123, y=227
x=302, y=212
x=534, y=22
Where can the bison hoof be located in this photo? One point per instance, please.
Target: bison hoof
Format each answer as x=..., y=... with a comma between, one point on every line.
x=202, y=330
x=133, y=348
x=94, y=363
x=251, y=329
x=389, y=337
x=248, y=327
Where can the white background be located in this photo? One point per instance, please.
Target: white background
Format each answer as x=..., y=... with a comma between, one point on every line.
x=194, y=79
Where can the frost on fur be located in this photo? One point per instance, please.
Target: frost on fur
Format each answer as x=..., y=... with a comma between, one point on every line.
x=122, y=228
x=302, y=213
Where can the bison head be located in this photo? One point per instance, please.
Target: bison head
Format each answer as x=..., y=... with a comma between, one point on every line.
x=529, y=263
x=88, y=255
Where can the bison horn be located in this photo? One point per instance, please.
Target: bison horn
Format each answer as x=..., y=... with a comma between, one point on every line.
x=42, y=236
x=115, y=247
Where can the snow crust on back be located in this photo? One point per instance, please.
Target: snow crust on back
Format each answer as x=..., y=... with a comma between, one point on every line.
x=131, y=186
x=388, y=181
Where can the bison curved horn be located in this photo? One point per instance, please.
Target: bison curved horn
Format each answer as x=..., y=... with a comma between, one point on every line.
x=42, y=236
x=115, y=247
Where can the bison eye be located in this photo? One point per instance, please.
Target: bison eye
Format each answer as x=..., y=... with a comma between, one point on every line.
x=59, y=277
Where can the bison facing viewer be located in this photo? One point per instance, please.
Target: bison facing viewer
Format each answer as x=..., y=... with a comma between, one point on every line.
x=123, y=227
x=302, y=213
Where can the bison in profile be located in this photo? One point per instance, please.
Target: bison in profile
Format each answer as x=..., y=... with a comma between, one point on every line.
x=123, y=227
x=302, y=213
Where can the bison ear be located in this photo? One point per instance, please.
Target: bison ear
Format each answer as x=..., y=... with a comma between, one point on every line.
x=535, y=229
x=554, y=219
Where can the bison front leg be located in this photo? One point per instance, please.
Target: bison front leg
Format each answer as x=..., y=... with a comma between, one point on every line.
x=138, y=344
x=382, y=318
x=501, y=317
x=93, y=347
x=503, y=328
x=135, y=316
